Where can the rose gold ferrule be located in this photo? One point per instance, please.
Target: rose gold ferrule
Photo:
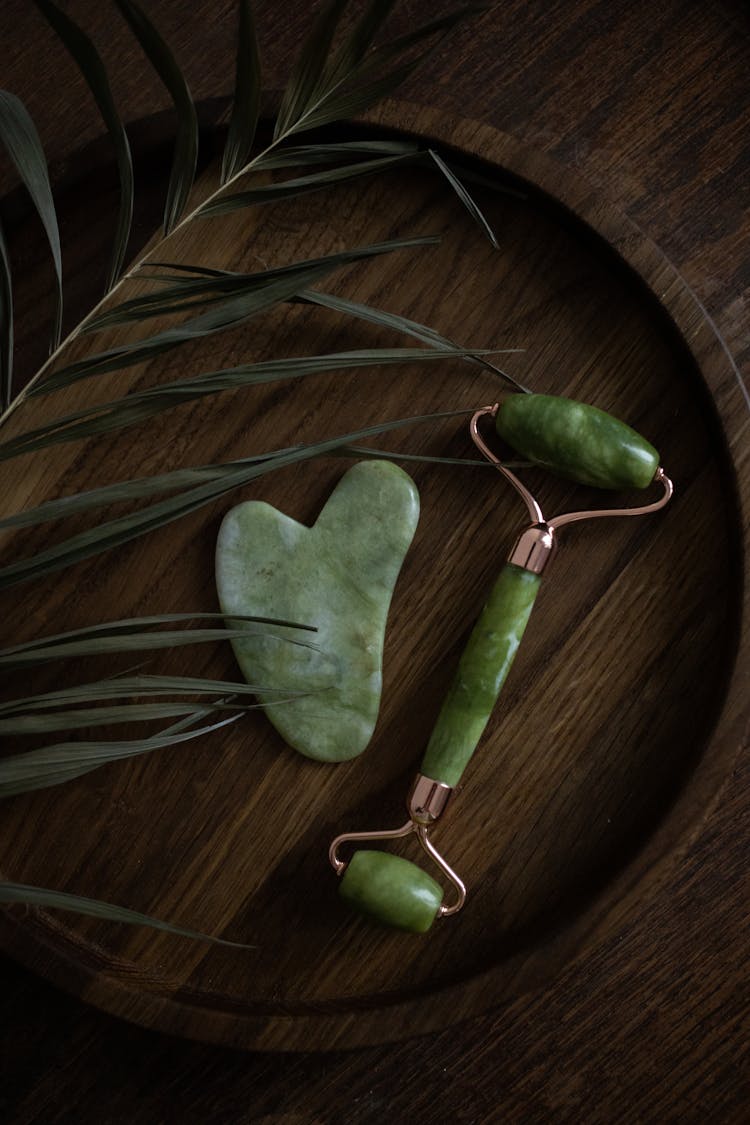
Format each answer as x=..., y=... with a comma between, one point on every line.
x=427, y=799
x=534, y=548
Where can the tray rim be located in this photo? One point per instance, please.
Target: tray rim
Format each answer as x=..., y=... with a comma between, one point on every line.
x=645, y=872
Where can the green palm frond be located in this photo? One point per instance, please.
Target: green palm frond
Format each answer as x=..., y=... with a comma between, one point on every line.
x=246, y=103
x=143, y=488
x=403, y=324
x=271, y=286
x=90, y=705
x=12, y=893
x=326, y=86
x=307, y=74
x=465, y=198
x=137, y=407
x=92, y=68
x=336, y=76
x=6, y=325
x=185, y=158
x=113, y=533
x=19, y=137
x=297, y=156
x=65, y=761
x=232, y=301
x=288, y=189
x=140, y=685
x=138, y=634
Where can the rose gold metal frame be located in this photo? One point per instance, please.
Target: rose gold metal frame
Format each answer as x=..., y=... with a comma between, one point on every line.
x=426, y=803
x=536, y=544
x=535, y=512
x=428, y=799
x=532, y=551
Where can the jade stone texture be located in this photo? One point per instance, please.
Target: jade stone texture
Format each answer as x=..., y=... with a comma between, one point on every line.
x=481, y=673
x=338, y=576
x=392, y=890
x=577, y=441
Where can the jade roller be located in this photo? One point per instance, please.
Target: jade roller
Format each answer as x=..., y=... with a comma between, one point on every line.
x=575, y=441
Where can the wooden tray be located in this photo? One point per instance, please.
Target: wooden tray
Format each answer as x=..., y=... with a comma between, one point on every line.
x=622, y=715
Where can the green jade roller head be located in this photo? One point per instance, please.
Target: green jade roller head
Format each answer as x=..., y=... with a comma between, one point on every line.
x=576, y=441
x=573, y=440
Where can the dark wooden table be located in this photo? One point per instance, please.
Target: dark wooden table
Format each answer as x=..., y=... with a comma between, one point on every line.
x=651, y=105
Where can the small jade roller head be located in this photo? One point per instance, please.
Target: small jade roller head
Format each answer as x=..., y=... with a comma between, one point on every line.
x=391, y=890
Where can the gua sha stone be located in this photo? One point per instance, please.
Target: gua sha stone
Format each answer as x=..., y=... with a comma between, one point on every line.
x=337, y=575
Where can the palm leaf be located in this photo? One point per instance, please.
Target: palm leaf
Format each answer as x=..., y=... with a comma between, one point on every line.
x=92, y=68
x=35, y=715
x=129, y=635
x=325, y=87
x=295, y=156
x=308, y=71
x=138, y=685
x=374, y=316
x=400, y=324
x=133, y=642
x=136, y=408
x=52, y=765
x=358, y=43
x=186, y=142
x=465, y=198
x=423, y=458
x=390, y=52
x=341, y=304
x=6, y=325
x=138, y=489
x=341, y=104
x=115, y=532
x=250, y=296
x=18, y=134
x=318, y=181
x=85, y=717
x=244, y=119
x=142, y=488
x=347, y=93
x=11, y=893
x=288, y=189
x=216, y=285
x=201, y=271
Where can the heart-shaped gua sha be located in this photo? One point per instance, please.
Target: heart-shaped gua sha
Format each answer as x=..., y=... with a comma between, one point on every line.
x=337, y=575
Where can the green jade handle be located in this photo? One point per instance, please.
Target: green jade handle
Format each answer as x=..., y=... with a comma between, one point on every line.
x=573, y=440
x=392, y=890
x=481, y=673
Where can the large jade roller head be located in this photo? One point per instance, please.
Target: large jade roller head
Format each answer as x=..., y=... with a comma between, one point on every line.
x=575, y=441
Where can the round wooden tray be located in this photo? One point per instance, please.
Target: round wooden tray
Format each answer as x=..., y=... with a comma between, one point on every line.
x=622, y=715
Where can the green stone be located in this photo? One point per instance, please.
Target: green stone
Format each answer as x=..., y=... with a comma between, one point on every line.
x=391, y=890
x=577, y=441
x=339, y=576
x=481, y=673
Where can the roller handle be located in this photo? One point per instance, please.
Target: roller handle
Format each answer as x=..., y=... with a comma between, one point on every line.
x=481, y=673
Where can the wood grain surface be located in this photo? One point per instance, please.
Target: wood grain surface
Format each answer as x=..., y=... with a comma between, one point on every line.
x=649, y=1025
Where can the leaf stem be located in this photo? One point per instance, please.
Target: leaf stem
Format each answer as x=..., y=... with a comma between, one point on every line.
x=294, y=127
x=129, y=275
